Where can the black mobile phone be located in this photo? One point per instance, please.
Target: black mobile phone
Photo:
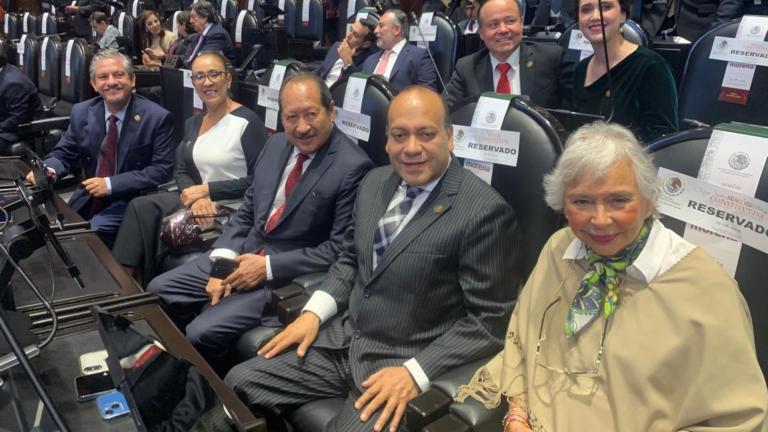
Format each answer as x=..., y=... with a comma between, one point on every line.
x=90, y=386
x=223, y=267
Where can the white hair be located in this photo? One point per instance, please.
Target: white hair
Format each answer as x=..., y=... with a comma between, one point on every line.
x=110, y=53
x=594, y=149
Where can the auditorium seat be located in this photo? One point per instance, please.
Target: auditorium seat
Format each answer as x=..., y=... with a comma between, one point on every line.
x=377, y=95
x=228, y=11
x=135, y=7
x=244, y=34
x=443, y=48
x=126, y=25
x=541, y=138
x=630, y=30
x=683, y=152
x=12, y=26
x=75, y=81
x=702, y=81
x=47, y=24
x=27, y=58
x=348, y=9
x=248, y=91
x=48, y=71
x=28, y=24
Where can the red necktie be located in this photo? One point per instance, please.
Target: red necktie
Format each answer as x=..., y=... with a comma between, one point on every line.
x=382, y=66
x=503, y=85
x=290, y=183
x=107, y=161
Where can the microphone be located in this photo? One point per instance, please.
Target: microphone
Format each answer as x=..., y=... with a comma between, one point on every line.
x=607, y=62
x=426, y=44
x=40, y=173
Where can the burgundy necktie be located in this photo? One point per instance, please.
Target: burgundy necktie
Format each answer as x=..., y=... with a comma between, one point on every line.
x=107, y=161
x=290, y=183
x=503, y=84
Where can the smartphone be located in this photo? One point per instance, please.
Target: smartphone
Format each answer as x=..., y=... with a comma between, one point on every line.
x=112, y=404
x=223, y=267
x=90, y=386
x=94, y=362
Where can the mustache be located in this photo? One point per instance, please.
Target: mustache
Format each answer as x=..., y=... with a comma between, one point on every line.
x=308, y=134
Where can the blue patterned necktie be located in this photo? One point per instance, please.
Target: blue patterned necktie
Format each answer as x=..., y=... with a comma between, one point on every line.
x=390, y=222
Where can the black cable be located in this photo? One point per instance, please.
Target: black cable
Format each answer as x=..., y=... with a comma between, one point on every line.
x=607, y=62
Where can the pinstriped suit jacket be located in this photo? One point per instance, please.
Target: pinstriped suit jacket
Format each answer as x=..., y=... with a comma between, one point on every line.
x=444, y=288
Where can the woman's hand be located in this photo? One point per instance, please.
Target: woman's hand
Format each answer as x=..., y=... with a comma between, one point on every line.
x=204, y=206
x=517, y=427
x=193, y=193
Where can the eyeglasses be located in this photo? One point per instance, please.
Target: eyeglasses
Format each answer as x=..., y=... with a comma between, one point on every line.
x=212, y=75
x=566, y=370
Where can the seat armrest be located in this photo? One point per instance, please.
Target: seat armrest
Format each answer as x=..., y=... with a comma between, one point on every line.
x=293, y=289
x=310, y=281
x=687, y=123
x=288, y=301
x=44, y=125
x=426, y=408
x=290, y=309
x=449, y=423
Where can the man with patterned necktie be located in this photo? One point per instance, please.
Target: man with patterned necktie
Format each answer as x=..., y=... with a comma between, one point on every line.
x=425, y=283
x=291, y=223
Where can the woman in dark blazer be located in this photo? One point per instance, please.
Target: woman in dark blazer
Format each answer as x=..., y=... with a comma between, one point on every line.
x=214, y=163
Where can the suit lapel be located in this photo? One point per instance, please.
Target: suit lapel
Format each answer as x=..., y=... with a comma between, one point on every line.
x=96, y=129
x=486, y=73
x=400, y=61
x=272, y=183
x=526, y=68
x=128, y=133
x=437, y=204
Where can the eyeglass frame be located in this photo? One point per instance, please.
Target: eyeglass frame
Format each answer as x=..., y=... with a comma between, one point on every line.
x=200, y=77
x=566, y=371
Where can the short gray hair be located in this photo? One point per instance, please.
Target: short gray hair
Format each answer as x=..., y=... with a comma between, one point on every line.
x=401, y=19
x=594, y=149
x=206, y=10
x=108, y=54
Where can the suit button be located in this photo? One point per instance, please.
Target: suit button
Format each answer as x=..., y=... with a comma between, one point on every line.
x=357, y=334
x=367, y=295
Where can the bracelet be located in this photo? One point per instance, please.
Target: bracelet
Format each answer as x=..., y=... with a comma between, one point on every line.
x=518, y=416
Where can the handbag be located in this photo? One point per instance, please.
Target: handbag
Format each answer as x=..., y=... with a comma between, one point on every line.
x=182, y=231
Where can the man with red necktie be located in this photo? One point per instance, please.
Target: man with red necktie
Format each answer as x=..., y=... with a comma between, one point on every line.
x=291, y=223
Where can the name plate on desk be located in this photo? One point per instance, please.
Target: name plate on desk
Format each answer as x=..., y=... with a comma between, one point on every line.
x=269, y=97
x=722, y=211
x=487, y=145
x=354, y=124
x=740, y=50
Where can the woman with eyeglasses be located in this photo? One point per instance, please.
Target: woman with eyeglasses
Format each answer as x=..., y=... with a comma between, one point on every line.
x=155, y=40
x=622, y=325
x=638, y=91
x=214, y=163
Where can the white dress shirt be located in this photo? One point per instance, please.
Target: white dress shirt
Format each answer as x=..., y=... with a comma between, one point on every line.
x=392, y=57
x=514, y=72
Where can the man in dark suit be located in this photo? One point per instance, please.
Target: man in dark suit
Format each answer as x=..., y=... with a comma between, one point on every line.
x=401, y=63
x=123, y=142
x=534, y=70
x=82, y=11
x=693, y=18
x=209, y=35
x=425, y=283
x=19, y=102
x=291, y=223
x=348, y=55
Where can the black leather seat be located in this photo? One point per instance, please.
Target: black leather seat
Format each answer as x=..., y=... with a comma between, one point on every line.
x=75, y=80
x=243, y=32
x=347, y=11
x=28, y=58
x=445, y=45
x=28, y=23
x=135, y=7
x=683, y=152
x=228, y=10
x=126, y=25
x=312, y=27
x=248, y=93
x=48, y=71
x=703, y=79
x=630, y=30
x=12, y=26
x=47, y=24
x=376, y=98
x=540, y=145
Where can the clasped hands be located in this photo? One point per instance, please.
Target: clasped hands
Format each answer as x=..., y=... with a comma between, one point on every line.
x=389, y=389
x=251, y=271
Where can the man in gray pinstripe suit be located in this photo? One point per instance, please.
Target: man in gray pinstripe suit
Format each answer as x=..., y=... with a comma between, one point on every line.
x=425, y=282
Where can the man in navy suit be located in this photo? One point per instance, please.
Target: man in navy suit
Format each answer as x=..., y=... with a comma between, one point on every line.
x=348, y=55
x=401, y=63
x=291, y=223
x=19, y=102
x=82, y=10
x=209, y=35
x=123, y=142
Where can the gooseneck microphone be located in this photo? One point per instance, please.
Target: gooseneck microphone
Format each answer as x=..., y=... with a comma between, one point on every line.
x=607, y=62
x=426, y=45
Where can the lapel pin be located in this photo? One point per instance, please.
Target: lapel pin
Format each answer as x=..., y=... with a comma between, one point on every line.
x=438, y=208
x=608, y=93
x=529, y=64
x=137, y=117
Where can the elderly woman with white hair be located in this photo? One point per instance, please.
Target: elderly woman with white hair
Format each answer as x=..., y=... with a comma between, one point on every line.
x=622, y=325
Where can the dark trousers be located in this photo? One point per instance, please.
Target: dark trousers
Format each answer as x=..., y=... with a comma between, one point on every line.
x=107, y=222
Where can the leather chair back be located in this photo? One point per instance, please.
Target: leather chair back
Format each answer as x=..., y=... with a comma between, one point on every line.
x=243, y=32
x=75, y=80
x=445, y=45
x=248, y=91
x=27, y=59
x=47, y=24
x=253, y=5
x=288, y=22
x=312, y=28
x=702, y=80
x=12, y=26
x=377, y=95
x=683, y=152
x=135, y=7
x=28, y=24
x=345, y=17
x=540, y=146
x=630, y=30
x=126, y=25
x=48, y=70
x=228, y=10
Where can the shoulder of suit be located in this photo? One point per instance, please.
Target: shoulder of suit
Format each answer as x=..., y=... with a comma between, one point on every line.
x=148, y=106
x=543, y=48
x=474, y=58
x=480, y=191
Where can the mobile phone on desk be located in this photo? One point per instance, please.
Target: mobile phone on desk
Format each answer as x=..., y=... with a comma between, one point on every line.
x=112, y=405
x=90, y=386
x=93, y=362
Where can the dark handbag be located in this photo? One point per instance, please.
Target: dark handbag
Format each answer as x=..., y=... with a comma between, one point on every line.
x=182, y=232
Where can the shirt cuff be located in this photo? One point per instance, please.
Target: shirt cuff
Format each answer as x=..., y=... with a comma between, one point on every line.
x=109, y=186
x=269, y=268
x=222, y=253
x=53, y=173
x=321, y=304
x=418, y=374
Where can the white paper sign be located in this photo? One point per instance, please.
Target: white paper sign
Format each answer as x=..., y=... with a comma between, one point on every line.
x=251, y=5
x=176, y=24
x=67, y=56
x=484, y=170
x=722, y=211
x=740, y=75
x=135, y=8
x=490, y=112
x=349, y=28
x=20, y=46
x=351, y=7
x=361, y=16
x=197, y=103
x=578, y=42
x=24, y=19
x=43, y=50
x=276, y=79
x=239, y=26
x=269, y=97
x=740, y=50
x=270, y=119
x=752, y=27
x=120, y=23
x=305, y=11
x=353, y=95
x=487, y=145
x=6, y=18
x=354, y=124
x=281, y=6
x=44, y=25
x=187, y=78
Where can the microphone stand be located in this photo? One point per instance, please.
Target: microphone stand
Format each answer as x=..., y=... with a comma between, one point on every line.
x=426, y=44
x=607, y=62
